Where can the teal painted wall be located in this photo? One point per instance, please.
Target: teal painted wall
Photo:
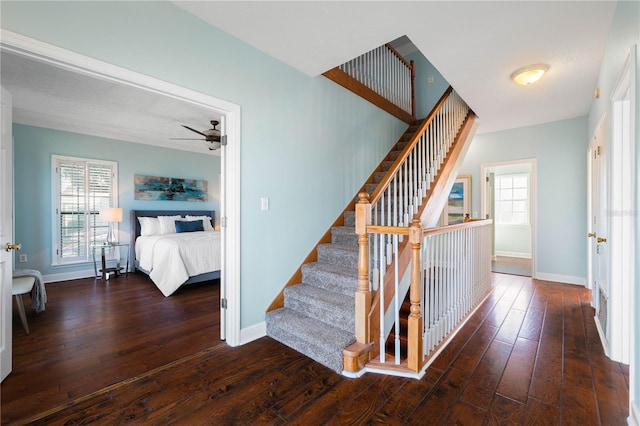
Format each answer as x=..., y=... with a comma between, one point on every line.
x=560, y=152
x=33, y=149
x=307, y=143
x=427, y=94
x=624, y=33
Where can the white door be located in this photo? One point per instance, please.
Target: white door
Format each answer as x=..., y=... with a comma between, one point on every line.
x=6, y=232
x=598, y=230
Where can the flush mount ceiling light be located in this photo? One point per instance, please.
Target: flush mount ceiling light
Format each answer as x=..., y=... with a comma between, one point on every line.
x=529, y=74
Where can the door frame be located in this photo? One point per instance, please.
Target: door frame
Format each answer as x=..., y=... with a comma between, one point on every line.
x=6, y=235
x=622, y=194
x=229, y=204
x=484, y=209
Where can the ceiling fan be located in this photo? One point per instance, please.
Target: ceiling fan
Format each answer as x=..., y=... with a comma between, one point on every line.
x=211, y=136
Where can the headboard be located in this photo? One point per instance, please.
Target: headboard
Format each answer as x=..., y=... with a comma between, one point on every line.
x=135, y=223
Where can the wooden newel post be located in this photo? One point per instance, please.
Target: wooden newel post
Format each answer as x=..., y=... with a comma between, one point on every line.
x=363, y=294
x=414, y=351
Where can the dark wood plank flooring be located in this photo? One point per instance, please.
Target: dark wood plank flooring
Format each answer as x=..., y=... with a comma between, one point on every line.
x=123, y=353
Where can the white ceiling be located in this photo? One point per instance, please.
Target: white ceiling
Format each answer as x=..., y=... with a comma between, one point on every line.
x=475, y=46
x=45, y=95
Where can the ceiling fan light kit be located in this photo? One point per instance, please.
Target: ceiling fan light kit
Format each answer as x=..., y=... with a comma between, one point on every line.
x=528, y=75
x=212, y=138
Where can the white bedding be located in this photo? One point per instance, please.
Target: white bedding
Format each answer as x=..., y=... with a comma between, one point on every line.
x=170, y=259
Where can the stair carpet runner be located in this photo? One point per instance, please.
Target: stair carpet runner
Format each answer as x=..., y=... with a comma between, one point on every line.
x=318, y=317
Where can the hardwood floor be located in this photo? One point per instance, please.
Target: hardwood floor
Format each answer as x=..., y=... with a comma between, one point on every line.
x=122, y=353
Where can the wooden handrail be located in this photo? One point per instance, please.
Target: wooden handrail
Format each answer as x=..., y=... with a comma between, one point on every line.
x=398, y=55
x=388, y=177
x=474, y=223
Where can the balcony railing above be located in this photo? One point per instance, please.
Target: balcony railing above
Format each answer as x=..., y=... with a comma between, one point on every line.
x=383, y=77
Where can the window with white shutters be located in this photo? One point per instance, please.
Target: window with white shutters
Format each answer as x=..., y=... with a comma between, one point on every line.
x=81, y=188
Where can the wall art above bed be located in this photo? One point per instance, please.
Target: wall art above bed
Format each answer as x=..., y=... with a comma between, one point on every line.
x=155, y=188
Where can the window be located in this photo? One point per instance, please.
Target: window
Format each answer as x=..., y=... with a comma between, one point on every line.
x=512, y=199
x=81, y=188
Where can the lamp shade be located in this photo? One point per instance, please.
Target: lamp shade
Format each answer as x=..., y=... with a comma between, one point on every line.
x=111, y=214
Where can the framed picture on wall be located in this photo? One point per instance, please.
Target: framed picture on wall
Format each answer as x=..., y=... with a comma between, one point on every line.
x=458, y=204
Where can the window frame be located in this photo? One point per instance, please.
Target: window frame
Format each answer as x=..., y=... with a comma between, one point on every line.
x=58, y=161
x=498, y=199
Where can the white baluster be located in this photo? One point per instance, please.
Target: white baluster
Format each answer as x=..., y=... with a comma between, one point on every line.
x=381, y=292
x=397, y=299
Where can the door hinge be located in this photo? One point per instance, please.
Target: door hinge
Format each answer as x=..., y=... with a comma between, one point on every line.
x=223, y=222
x=223, y=303
x=486, y=178
x=598, y=150
x=223, y=140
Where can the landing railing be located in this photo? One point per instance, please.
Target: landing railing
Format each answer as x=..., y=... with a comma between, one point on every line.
x=455, y=276
x=449, y=274
x=383, y=77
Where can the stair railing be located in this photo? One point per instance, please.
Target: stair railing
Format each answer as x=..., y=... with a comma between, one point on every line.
x=383, y=77
x=390, y=216
x=402, y=190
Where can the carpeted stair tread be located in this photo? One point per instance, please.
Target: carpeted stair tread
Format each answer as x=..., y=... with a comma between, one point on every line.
x=331, y=277
x=350, y=218
x=338, y=254
x=322, y=305
x=321, y=342
x=344, y=235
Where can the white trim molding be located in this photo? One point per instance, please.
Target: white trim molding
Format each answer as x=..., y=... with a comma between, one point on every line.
x=253, y=332
x=566, y=279
x=634, y=414
x=72, y=61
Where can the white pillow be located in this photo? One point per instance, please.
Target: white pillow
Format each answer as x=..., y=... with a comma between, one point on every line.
x=149, y=226
x=168, y=224
x=206, y=220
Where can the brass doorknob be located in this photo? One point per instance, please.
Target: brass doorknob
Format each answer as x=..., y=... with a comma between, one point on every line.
x=10, y=246
x=602, y=240
x=591, y=234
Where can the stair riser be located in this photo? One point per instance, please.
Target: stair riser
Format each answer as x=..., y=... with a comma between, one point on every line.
x=329, y=281
x=337, y=256
x=345, y=239
x=350, y=219
x=331, y=359
x=344, y=319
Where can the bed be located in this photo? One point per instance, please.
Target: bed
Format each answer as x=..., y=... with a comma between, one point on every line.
x=175, y=254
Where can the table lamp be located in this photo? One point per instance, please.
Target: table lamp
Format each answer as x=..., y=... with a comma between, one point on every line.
x=111, y=215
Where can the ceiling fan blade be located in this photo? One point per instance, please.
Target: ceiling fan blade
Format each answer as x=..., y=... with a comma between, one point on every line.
x=194, y=130
x=186, y=139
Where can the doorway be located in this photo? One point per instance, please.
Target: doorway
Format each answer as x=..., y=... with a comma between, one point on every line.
x=230, y=161
x=508, y=197
x=613, y=197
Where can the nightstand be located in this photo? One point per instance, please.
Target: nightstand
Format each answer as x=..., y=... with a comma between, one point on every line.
x=112, y=258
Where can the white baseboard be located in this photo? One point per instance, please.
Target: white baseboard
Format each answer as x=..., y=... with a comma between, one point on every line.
x=75, y=275
x=253, y=332
x=634, y=415
x=566, y=279
x=603, y=336
x=514, y=254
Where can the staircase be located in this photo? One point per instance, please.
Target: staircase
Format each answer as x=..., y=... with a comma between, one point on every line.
x=318, y=317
